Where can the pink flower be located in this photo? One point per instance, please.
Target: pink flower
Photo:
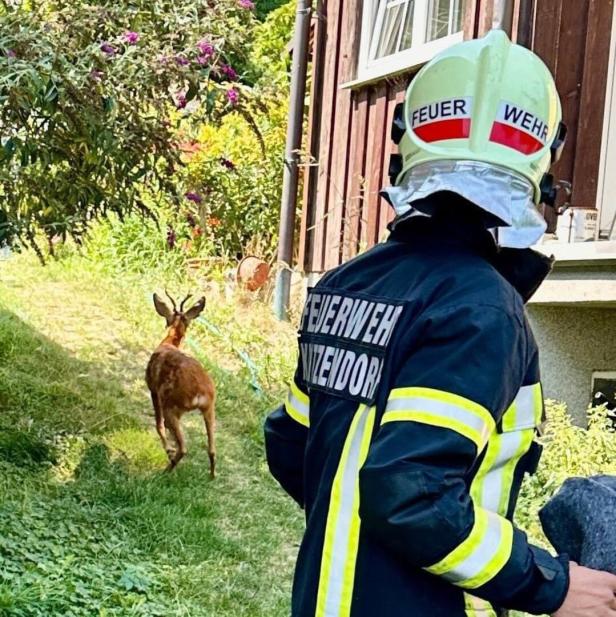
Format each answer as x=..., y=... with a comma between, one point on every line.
x=132, y=38
x=229, y=72
x=194, y=197
x=108, y=49
x=10, y=53
x=233, y=96
x=202, y=60
x=247, y=4
x=206, y=48
x=182, y=61
x=181, y=101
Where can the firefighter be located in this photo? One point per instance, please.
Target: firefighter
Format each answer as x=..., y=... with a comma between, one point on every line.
x=412, y=415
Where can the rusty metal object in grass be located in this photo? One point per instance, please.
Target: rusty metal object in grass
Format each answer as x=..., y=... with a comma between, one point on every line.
x=252, y=273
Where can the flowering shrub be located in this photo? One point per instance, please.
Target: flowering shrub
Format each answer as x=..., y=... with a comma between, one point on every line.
x=92, y=96
x=234, y=173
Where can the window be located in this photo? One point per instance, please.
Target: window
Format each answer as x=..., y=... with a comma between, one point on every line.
x=402, y=34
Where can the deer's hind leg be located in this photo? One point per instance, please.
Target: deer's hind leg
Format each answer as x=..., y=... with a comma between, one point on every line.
x=173, y=424
x=209, y=417
x=160, y=421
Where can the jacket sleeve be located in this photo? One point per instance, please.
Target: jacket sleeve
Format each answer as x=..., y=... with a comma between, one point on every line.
x=286, y=432
x=449, y=395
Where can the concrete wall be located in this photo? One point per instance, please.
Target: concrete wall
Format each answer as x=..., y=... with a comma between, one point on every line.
x=574, y=342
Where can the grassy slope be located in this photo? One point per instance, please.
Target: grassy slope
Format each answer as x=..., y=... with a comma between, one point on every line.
x=88, y=525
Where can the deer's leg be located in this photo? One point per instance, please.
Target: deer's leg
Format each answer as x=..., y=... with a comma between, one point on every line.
x=160, y=421
x=173, y=424
x=209, y=418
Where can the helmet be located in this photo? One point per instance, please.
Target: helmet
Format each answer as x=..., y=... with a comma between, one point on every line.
x=487, y=110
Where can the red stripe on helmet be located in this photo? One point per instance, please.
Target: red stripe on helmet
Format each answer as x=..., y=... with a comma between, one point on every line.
x=457, y=128
x=512, y=137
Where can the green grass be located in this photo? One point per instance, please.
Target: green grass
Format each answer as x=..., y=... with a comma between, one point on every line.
x=88, y=523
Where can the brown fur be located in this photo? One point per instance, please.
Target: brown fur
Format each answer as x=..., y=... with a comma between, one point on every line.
x=178, y=384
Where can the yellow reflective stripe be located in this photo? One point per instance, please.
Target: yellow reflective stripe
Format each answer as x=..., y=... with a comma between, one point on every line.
x=538, y=400
x=436, y=420
x=466, y=548
x=443, y=409
x=349, y=569
x=508, y=471
x=299, y=395
x=480, y=557
x=526, y=410
x=475, y=607
x=297, y=405
x=498, y=561
x=479, y=495
x=340, y=547
x=445, y=397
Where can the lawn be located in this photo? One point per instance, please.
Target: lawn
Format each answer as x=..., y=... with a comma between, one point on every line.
x=88, y=523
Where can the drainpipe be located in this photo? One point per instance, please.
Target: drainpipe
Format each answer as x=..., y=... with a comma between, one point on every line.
x=291, y=168
x=503, y=16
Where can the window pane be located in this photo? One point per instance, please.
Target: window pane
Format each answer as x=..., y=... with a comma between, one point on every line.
x=396, y=28
x=444, y=18
x=407, y=33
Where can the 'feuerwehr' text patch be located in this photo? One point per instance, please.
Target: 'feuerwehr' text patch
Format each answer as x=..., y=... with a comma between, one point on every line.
x=343, y=339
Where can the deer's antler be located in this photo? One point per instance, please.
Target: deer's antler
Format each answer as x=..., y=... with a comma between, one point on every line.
x=184, y=302
x=175, y=308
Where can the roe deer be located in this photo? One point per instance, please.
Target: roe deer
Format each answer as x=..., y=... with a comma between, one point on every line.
x=178, y=383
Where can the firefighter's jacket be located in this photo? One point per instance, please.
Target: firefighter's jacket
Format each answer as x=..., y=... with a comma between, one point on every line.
x=407, y=431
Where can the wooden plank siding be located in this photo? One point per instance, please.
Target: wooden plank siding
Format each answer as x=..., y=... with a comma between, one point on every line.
x=349, y=128
x=573, y=38
x=310, y=175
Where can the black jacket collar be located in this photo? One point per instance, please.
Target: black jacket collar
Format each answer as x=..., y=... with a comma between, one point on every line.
x=524, y=269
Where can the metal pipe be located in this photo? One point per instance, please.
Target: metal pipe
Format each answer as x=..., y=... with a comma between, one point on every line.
x=291, y=168
x=503, y=15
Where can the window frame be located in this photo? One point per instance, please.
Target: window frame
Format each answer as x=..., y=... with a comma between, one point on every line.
x=406, y=60
x=606, y=223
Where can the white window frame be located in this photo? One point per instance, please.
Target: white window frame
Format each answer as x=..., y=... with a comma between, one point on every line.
x=606, y=197
x=421, y=51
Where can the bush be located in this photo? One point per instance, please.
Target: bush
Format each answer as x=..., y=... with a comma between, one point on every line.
x=568, y=451
x=233, y=181
x=92, y=94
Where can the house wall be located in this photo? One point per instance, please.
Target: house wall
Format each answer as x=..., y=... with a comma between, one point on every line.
x=349, y=145
x=348, y=132
x=574, y=342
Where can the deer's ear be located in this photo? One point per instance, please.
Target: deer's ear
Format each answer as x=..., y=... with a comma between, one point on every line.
x=162, y=309
x=195, y=310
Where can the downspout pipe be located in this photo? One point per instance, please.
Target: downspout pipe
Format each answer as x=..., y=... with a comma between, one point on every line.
x=503, y=16
x=291, y=160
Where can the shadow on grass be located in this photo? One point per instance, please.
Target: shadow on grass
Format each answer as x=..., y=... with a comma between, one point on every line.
x=114, y=532
x=46, y=391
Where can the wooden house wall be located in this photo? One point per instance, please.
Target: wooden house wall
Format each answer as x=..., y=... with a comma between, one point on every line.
x=348, y=131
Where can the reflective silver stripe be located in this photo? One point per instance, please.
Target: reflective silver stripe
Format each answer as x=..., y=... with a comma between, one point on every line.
x=525, y=410
x=480, y=558
x=509, y=445
x=476, y=607
x=298, y=405
x=345, y=516
x=302, y=408
x=442, y=409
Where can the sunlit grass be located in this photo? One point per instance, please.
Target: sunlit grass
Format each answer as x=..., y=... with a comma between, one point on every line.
x=88, y=523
